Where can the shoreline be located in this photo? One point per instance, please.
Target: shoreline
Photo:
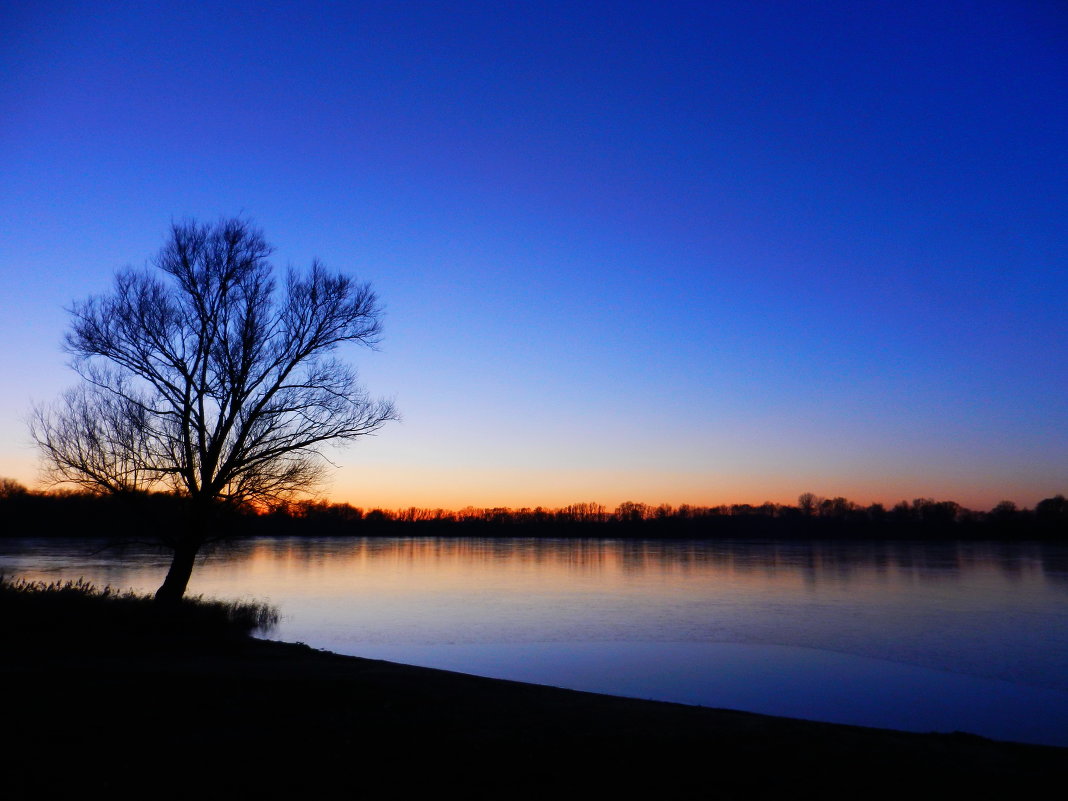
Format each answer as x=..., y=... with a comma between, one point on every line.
x=264, y=715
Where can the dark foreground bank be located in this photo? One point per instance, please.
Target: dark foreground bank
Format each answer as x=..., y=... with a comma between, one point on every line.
x=135, y=709
x=255, y=717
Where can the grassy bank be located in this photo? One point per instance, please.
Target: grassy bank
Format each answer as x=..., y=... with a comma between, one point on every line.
x=80, y=610
x=225, y=716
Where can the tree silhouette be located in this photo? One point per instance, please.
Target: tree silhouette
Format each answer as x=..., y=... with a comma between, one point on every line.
x=211, y=383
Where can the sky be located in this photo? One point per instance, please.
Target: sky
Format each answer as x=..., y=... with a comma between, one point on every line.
x=664, y=252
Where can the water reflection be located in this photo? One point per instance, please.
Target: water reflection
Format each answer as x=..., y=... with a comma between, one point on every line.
x=666, y=619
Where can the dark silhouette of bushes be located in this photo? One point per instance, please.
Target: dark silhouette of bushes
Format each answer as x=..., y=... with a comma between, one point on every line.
x=80, y=611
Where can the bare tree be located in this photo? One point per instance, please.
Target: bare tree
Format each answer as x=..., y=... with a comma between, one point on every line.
x=210, y=383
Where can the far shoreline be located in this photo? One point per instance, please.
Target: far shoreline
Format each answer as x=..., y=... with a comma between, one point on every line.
x=82, y=514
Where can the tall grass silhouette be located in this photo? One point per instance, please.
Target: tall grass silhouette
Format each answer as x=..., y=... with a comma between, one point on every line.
x=80, y=608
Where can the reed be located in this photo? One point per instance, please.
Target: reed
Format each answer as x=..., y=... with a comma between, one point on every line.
x=80, y=608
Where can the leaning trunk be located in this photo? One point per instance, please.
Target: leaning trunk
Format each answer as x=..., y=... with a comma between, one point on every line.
x=197, y=520
x=181, y=569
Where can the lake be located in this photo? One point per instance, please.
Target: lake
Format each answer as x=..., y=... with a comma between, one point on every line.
x=917, y=636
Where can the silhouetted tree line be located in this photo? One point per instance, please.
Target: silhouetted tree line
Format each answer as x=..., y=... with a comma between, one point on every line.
x=142, y=516
x=147, y=517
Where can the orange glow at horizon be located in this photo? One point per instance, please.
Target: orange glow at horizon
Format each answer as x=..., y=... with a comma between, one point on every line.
x=403, y=487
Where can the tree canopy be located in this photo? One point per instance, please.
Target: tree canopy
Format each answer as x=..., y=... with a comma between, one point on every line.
x=204, y=378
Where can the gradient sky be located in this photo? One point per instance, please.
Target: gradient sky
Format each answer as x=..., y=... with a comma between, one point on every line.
x=670, y=252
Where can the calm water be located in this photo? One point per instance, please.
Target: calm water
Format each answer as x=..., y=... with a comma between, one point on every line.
x=925, y=637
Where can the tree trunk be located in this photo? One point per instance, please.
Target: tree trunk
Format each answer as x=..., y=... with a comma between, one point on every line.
x=173, y=587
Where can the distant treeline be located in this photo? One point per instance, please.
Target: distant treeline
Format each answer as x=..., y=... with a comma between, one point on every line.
x=27, y=513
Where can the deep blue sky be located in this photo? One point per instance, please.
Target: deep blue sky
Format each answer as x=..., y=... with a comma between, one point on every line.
x=669, y=252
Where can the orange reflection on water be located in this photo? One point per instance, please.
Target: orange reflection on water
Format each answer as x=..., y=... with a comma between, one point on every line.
x=348, y=567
